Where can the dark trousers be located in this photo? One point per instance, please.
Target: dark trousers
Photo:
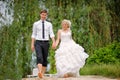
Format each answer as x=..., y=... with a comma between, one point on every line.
x=41, y=48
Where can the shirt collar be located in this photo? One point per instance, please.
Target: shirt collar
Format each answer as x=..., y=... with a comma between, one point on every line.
x=41, y=20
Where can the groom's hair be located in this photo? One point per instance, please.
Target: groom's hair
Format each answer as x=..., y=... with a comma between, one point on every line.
x=43, y=11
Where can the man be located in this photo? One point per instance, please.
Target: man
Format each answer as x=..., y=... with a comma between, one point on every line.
x=42, y=30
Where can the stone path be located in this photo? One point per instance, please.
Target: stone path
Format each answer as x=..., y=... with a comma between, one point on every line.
x=72, y=78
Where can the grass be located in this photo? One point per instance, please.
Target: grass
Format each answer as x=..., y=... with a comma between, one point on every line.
x=107, y=70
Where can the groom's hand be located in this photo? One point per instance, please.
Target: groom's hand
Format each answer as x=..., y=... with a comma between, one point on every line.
x=53, y=45
x=32, y=48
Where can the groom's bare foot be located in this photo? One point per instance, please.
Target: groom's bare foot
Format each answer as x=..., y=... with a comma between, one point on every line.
x=40, y=75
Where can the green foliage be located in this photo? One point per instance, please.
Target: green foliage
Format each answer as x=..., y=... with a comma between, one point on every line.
x=15, y=54
x=106, y=55
x=52, y=62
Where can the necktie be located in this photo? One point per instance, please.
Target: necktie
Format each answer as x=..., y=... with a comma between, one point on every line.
x=43, y=29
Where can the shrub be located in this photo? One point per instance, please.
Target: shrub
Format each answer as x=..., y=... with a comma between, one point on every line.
x=108, y=55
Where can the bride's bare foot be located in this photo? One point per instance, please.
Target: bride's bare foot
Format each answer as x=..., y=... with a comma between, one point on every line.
x=65, y=76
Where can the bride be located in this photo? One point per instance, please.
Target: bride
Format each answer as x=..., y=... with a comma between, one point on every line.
x=70, y=56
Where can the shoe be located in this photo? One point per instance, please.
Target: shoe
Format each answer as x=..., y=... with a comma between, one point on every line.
x=40, y=75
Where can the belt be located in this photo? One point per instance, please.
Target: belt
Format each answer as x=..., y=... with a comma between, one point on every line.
x=42, y=40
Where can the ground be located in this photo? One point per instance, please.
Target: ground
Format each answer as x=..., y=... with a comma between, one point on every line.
x=72, y=78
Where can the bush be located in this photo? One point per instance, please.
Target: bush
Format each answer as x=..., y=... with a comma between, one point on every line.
x=106, y=55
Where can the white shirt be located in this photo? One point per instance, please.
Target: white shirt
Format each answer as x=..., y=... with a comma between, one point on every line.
x=37, y=30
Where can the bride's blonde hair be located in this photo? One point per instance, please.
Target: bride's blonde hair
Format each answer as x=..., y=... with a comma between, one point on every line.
x=67, y=21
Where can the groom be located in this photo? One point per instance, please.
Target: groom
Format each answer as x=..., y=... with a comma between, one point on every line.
x=42, y=29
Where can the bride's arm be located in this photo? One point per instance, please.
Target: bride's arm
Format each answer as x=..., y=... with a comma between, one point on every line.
x=58, y=37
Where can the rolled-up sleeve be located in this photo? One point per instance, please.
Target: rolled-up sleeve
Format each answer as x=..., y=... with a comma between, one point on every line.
x=34, y=31
x=51, y=31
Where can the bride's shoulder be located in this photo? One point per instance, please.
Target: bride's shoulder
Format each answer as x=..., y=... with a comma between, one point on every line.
x=60, y=30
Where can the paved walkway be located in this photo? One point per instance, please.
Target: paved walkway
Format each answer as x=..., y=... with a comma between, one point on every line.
x=71, y=78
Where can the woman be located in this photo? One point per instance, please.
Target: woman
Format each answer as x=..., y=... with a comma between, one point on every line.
x=70, y=56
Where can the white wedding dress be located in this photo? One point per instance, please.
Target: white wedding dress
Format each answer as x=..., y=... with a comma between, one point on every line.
x=70, y=56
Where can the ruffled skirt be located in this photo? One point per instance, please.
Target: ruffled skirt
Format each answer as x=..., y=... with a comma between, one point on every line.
x=70, y=57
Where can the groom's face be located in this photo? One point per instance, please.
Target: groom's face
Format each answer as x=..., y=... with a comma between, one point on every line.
x=43, y=16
